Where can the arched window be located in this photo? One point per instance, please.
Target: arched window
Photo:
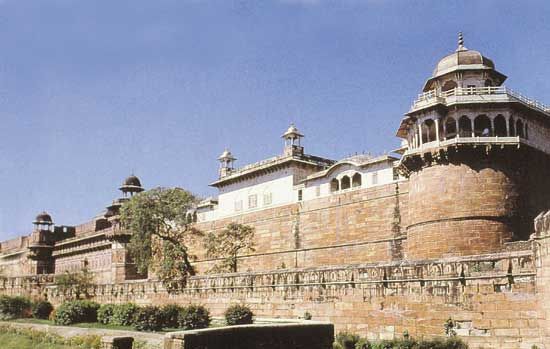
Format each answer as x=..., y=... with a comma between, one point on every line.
x=449, y=85
x=450, y=127
x=512, y=127
x=334, y=185
x=482, y=126
x=519, y=128
x=356, y=180
x=500, y=126
x=346, y=183
x=428, y=131
x=464, y=126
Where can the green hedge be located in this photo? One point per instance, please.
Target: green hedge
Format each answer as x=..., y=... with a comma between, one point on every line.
x=14, y=307
x=76, y=311
x=123, y=314
x=193, y=317
x=41, y=309
x=347, y=340
x=238, y=315
x=170, y=314
x=105, y=313
x=148, y=318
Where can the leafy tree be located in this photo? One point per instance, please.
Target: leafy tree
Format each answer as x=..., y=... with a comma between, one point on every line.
x=79, y=283
x=235, y=239
x=160, y=233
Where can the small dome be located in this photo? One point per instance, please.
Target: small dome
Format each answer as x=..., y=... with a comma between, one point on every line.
x=226, y=155
x=43, y=218
x=292, y=132
x=462, y=59
x=132, y=181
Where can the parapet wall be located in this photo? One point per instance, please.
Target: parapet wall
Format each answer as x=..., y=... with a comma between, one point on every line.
x=492, y=297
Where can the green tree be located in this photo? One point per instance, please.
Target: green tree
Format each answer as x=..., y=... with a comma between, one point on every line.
x=235, y=239
x=160, y=233
x=77, y=284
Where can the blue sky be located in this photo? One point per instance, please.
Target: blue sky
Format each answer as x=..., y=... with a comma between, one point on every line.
x=91, y=91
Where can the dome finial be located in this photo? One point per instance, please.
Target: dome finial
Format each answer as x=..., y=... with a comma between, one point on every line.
x=461, y=46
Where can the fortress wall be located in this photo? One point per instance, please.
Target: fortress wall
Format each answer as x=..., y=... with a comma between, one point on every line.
x=460, y=209
x=493, y=298
x=353, y=227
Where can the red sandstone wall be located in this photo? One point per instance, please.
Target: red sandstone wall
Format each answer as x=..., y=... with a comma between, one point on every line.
x=459, y=209
x=354, y=227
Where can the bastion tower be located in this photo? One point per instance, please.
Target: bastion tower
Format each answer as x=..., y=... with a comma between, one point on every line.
x=476, y=156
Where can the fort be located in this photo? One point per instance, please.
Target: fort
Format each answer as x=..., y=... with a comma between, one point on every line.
x=455, y=224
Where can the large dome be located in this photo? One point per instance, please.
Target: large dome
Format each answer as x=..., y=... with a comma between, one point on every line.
x=462, y=59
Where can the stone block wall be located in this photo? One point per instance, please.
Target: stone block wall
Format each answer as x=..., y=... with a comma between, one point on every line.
x=358, y=226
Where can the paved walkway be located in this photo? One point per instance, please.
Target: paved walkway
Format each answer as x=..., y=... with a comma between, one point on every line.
x=154, y=340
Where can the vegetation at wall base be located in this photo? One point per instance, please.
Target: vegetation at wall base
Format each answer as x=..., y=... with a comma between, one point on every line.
x=170, y=314
x=18, y=338
x=124, y=314
x=238, y=315
x=148, y=318
x=42, y=309
x=347, y=340
x=76, y=311
x=194, y=317
x=14, y=307
x=105, y=313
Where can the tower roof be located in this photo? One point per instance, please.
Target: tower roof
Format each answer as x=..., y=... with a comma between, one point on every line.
x=226, y=155
x=43, y=218
x=463, y=59
x=131, y=184
x=292, y=132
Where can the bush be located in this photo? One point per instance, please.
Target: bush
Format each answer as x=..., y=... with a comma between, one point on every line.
x=347, y=340
x=238, y=315
x=123, y=314
x=105, y=313
x=42, y=309
x=14, y=307
x=170, y=313
x=76, y=311
x=194, y=317
x=148, y=318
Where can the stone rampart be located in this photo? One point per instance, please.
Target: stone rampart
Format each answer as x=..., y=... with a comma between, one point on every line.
x=493, y=298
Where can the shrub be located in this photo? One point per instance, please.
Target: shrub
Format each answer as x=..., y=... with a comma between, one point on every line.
x=347, y=340
x=105, y=313
x=76, y=311
x=238, y=315
x=170, y=313
x=123, y=314
x=148, y=318
x=193, y=317
x=14, y=307
x=42, y=309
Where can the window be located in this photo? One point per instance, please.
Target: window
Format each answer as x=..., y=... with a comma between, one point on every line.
x=374, y=178
x=356, y=180
x=346, y=183
x=300, y=195
x=334, y=185
x=252, y=201
x=268, y=198
x=238, y=205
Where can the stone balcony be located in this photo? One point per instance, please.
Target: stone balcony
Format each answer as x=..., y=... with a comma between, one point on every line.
x=497, y=94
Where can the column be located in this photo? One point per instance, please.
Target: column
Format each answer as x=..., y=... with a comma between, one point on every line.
x=437, y=130
x=508, y=125
x=492, y=133
x=472, y=126
x=420, y=134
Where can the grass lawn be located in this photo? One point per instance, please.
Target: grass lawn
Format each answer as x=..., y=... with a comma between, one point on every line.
x=82, y=325
x=15, y=341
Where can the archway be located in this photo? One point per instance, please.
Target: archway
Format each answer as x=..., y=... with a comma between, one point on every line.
x=356, y=180
x=482, y=126
x=345, y=183
x=500, y=126
x=464, y=126
x=450, y=127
